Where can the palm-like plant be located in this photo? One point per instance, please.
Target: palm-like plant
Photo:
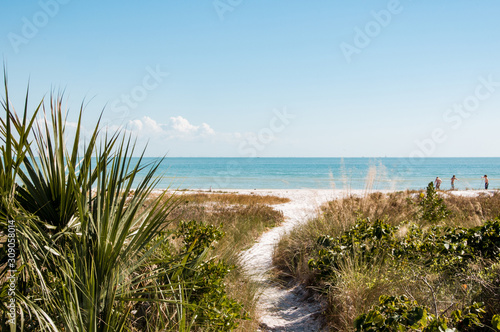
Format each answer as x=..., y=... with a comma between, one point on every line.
x=29, y=234
x=112, y=243
x=49, y=190
x=84, y=240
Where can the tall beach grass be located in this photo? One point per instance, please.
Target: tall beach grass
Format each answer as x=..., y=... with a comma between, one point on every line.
x=355, y=285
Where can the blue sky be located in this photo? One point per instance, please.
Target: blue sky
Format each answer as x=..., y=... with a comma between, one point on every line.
x=262, y=78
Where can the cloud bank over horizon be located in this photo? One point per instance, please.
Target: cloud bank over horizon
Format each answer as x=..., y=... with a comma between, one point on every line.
x=177, y=130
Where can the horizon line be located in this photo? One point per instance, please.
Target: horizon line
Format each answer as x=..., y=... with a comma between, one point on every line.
x=303, y=157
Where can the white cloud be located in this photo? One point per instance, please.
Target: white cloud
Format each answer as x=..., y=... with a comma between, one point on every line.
x=179, y=136
x=145, y=127
x=136, y=125
x=176, y=128
x=182, y=125
x=153, y=126
x=207, y=130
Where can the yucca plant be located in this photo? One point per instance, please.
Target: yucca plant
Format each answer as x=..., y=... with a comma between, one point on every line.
x=111, y=244
x=84, y=240
x=30, y=237
x=93, y=249
x=49, y=190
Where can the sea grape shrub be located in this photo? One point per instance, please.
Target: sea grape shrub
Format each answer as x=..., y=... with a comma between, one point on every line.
x=204, y=278
x=495, y=321
x=198, y=237
x=398, y=313
x=450, y=247
x=392, y=314
x=214, y=308
x=432, y=207
x=485, y=240
x=366, y=239
x=440, y=248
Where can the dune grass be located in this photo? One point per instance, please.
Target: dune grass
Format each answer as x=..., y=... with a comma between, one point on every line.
x=354, y=284
x=242, y=219
x=231, y=198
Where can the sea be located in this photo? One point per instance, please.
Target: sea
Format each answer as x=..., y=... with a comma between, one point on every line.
x=323, y=173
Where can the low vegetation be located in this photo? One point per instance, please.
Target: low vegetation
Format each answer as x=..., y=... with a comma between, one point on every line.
x=231, y=198
x=84, y=247
x=402, y=261
x=241, y=219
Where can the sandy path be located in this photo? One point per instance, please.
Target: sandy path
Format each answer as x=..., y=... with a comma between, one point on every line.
x=279, y=308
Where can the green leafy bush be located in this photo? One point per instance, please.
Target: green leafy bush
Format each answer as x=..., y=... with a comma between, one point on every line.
x=438, y=247
x=400, y=314
x=495, y=321
x=440, y=250
x=443, y=247
x=350, y=261
x=366, y=239
x=204, y=278
x=432, y=205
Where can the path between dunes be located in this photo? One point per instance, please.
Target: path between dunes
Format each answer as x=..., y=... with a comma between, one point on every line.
x=280, y=308
x=286, y=308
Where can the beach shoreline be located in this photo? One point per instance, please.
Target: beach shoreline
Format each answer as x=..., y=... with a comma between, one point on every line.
x=334, y=193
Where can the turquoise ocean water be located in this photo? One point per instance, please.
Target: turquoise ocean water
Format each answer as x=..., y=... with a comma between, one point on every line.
x=324, y=173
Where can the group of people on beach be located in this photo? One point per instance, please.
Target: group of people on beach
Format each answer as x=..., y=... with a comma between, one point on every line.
x=438, y=181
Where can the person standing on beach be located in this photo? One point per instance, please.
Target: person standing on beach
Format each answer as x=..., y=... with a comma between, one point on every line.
x=437, y=183
x=486, y=181
x=453, y=179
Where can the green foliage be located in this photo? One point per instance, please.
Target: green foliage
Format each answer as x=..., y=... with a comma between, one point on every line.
x=210, y=305
x=392, y=314
x=495, y=321
x=440, y=248
x=432, y=206
x=91, y=254
x=241, y=225
x=468, y=317
x=400, y=314
x=443, y=247
x=367, y=239
x=442, y=265
x=197, y=237
x=214, y=308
